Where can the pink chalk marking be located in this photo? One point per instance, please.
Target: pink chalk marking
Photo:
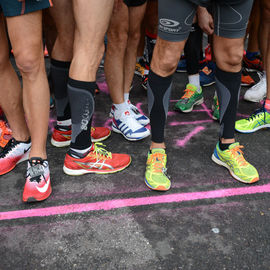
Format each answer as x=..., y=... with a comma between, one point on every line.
x=174, y=100
x=243, y=115
x=172, y=113
x=176, y=123
x=103, y=87
x=184, y=141
x=206, y=110
x=131, y=202
x=108, y=123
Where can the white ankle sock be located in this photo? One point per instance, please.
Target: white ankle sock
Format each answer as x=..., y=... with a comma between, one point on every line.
x=195, y=80
x=126, y=96
x=120, y=108
x=64, y=123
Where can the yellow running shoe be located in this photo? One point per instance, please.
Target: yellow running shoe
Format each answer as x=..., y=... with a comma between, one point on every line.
x=234, y=161
x=155, y=174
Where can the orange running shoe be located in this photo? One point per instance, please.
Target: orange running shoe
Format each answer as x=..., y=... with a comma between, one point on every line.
x=98, y=160
x=246, y=80
x=62, y=138
x=5, y=133
x=253, y=65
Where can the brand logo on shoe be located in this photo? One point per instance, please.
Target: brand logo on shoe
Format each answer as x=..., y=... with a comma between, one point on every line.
x=127, y=113
x=45, y=187
x=26, y=150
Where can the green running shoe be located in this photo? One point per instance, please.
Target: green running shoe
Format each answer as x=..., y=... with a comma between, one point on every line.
x=155, y=174
x=259, y=119
x=235, y=162
x=191, y=97
x=215, y=108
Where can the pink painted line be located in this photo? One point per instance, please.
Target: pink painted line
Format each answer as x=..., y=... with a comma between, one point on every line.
x=243, y=115
x=190, y=123
x=184, y=141
x=207, y=110
x=108, y=123
x=172, y=113
x=131, y=202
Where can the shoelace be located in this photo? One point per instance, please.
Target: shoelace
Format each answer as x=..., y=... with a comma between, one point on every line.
x=100, y=151
x=157, y=161
x=5, y=134
x=36, y=169
x=188, y=93
x=256, y=114
x=237, y=153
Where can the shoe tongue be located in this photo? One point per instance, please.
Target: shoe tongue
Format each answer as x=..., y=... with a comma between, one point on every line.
x=158, y=150
x=233, y=145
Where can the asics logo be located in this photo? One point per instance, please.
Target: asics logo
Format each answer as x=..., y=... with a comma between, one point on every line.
x=98, y=165
x=168, y=23
x=45, y=187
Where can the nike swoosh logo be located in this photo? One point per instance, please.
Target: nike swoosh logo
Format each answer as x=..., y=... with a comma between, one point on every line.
x=44, y=188
x=26, y=150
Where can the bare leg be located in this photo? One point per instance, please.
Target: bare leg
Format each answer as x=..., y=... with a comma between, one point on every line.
x=11, y=90
x=29, y=57
x=135, y=19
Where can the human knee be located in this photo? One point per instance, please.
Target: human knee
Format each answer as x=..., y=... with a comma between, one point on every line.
x=28, y=63
x=117, y=40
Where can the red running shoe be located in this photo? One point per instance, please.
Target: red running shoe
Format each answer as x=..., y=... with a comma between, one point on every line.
x=5, y=133
x=246, y=79
x=12, y=154
x=38, y=185
x=98, y=160
x=62, y=138
x=253, y=65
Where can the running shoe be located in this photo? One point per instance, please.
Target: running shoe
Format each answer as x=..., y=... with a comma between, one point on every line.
x=191, y=98
x=215, y=108
x=155, y=174
x=234, y=161
x=254, y=64
x=129, y=127
x=182, y=65
x=246, y=79
x=12, y=154
x=208, y=52
x=5, y=134
x=257, y=92
x=98, y=160
x=207, y=74
x=141, y=118
x=258, y=120
x=144, y=81
x=38, y=184
x=62, y=137
x=141, y=67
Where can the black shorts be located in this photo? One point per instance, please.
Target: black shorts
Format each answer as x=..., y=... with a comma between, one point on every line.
x=12, y=8
x=176, y=17
x=134, y=3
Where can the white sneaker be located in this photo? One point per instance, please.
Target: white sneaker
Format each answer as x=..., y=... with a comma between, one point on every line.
x=141, y=118
x=257, y=92
x=129, y=127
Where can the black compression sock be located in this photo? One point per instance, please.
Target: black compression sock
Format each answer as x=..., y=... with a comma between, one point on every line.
x=228, y=89
x=81, y=95
x=59, y=77
x=224, y=146
x=159, y=91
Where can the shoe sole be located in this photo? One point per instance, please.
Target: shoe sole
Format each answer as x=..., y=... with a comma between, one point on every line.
x=253, y=130
x=33, y=199
x=24, y=158
x=81, y=172
x=254, y=100
x=199, y=102
x=221, y=163
x=181, y=71
x=67, y=143
x=158, y=188
x=129, y=139
x=208, y=84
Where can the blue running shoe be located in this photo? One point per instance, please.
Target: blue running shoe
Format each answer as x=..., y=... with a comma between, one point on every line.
x=182, y=65
x=129, y=127
x=207, y=74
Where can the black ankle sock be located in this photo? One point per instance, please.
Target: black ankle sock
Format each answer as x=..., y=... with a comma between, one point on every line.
x=224, y=146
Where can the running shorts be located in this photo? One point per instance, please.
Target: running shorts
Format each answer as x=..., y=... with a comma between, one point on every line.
x=134, y=3
x=176, y=17
x=12, y=8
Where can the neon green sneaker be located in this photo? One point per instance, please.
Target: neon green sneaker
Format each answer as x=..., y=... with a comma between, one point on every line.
x=155, y=174
x=215, y=108
x=235, y=162
x=259, y=119
x=191, y=97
